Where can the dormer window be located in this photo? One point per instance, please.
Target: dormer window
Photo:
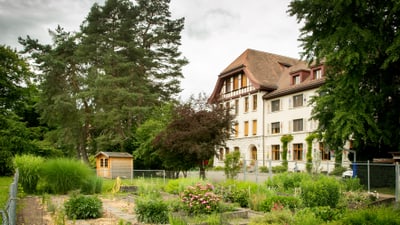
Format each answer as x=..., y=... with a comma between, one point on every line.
x=296, y=79
x=228, y=85
x=317, y=73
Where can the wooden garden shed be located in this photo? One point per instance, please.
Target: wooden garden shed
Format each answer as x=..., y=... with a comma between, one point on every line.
x=114, y=164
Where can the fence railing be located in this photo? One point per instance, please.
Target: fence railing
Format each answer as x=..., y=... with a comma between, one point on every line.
x=9, y=213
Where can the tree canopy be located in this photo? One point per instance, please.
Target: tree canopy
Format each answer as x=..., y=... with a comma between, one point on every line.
x=359, y=43
x=97, y=85
x=190, y=139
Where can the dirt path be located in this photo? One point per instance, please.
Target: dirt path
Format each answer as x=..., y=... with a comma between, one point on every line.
x=32, y=212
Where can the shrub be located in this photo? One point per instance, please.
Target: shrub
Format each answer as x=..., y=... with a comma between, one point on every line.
x=283, y=216
x=83, y=207
x=93, y=185
x=338, y=171
x=200, y=199
x=232, y=164
x=151, y=210
x=323, y=192
x=63, y=175
x=28, y=167
x=177, y=186
x=264, y=169
x=377, y=215
x=326, y=213
x=306, y=217
x=237, y=191
x=279, y=169
x=287, y=181
x=287, y=202
x=351, y=184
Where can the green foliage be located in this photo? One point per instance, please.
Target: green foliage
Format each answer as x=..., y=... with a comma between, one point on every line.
x=151, y=210
x=191, y=136
x=237, y=191
x=309, y=140
x=374, y=215
x=176, y=186
x=83, y=207
x=28, y=167
x=326, y=213
x=352, y=184
x=325, y=191
x=200, y=199
x=359, y=44
x=264, y=169
x=279, y=169
x=284, y=216
x=285, y=139
x=93, y=185
x=63, y=175
x=338, y=171
x=287, y=181
x=5, y=183
x=232, y=164
x=307, y=217
x=288, y=202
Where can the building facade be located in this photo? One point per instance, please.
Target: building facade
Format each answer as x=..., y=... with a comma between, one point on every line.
x=269, y=95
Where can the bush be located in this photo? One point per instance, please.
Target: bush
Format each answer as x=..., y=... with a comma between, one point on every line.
x=338, y=171
x=287, y=181
x=323, y=192
x=279, y=169
x=306, y=217
x=352, y=184
x=92, y=186
x=284, y=216
x=28, y=167
x=177, y=186
x=278, y=201
x=232, y=164
x=63, y=175
x=237, y=191
x=83, y=207
x=264, y=169
x=200, y=199
x=151, y=210
x=377, y=215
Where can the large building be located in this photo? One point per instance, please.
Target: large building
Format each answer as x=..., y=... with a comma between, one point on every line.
x=268, y=95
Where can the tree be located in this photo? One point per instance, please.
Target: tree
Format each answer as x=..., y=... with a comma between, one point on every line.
x=359, y=43
x=191, y=138
x=232, y=164
x=99, y=84
x=145, y=154
x=15, y=95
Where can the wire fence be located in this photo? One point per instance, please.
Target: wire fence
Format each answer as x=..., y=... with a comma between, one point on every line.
x=9, y=213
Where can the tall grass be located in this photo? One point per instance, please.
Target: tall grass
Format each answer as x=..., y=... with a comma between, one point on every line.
x=4, y=190
x=28, y=167
x=63, y=175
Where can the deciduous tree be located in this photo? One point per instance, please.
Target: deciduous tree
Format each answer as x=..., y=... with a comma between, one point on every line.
x=359, y=43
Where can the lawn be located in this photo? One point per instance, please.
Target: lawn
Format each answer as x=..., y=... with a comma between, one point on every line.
x=4, y=190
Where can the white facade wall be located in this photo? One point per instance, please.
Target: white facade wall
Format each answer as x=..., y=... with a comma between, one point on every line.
x=264, y=138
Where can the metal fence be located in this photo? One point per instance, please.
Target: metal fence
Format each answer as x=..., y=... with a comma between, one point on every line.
x=9, y=214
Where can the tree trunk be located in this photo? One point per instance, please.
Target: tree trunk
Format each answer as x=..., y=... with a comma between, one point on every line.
x=202, y=171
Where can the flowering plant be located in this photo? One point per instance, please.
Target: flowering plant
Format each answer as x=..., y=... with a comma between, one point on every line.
x=200, y=199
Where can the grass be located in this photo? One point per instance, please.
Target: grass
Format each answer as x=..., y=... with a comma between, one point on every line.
x=4, y=190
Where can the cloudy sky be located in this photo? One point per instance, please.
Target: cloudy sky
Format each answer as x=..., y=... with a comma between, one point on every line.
x=216, y=31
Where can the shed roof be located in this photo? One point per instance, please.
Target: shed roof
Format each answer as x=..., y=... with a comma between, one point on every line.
x=115, y=154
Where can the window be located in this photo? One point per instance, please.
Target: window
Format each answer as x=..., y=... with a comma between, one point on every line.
x=236, y=129
x=317, y=73
x=104, y=163
x=296, y=79
x=254, y=102
x=236, y=106
x=236, y=149
x=325, y=154
x=275, y=128
x=275, y=105
x=227, y=150
x=298, y=125
x=254, y=127
x=246, y=104
x=228, y=106
x=297, y=151
x=243, y=81
x=246, y=128
x=235, y=82
x=228, y=84
x=298, y=100
x=276, y=152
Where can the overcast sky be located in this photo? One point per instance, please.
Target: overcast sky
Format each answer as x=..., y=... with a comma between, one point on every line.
x=215, y=33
